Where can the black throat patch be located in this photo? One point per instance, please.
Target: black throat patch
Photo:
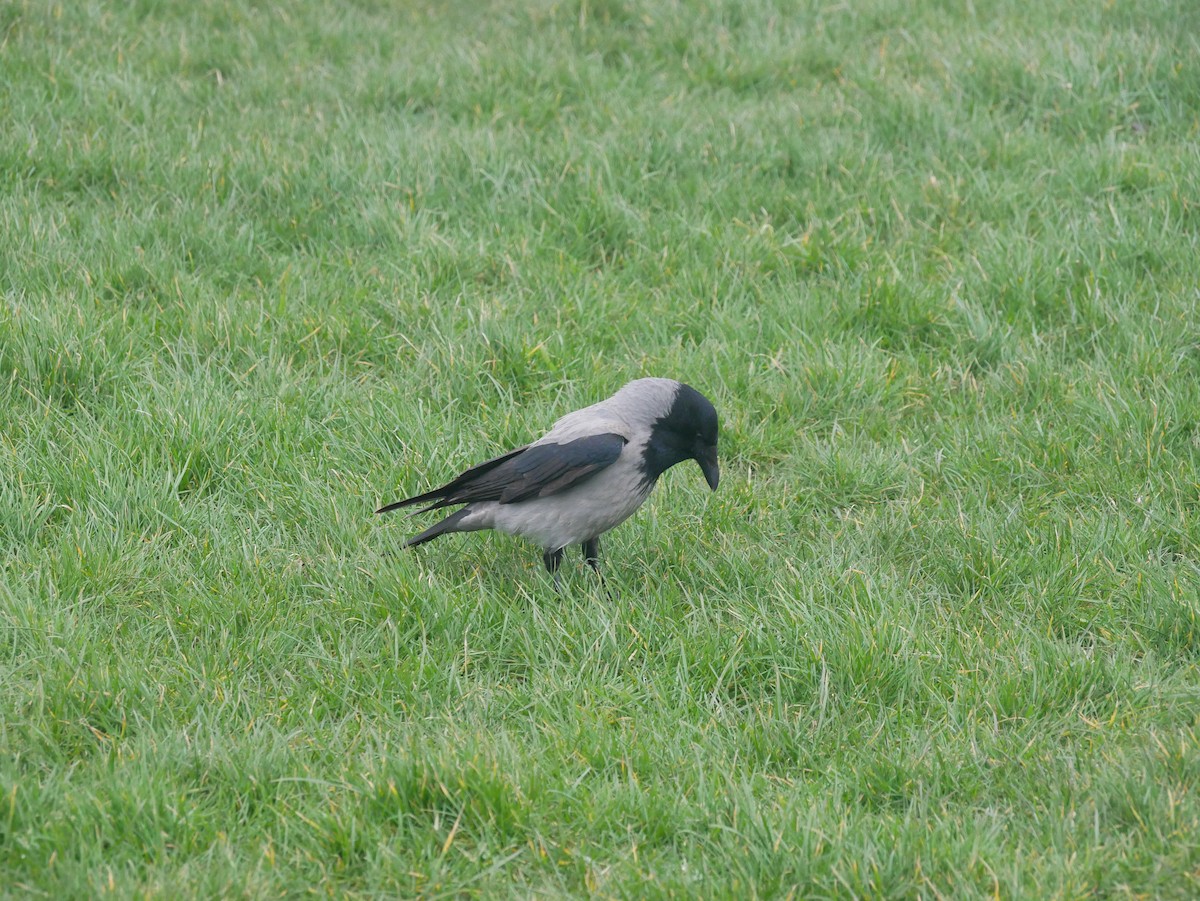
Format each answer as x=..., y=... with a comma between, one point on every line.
x=674, y=437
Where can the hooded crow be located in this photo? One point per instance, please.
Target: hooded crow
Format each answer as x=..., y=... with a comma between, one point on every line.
x=589, y=473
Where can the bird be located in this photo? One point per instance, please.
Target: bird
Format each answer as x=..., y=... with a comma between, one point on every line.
x=588, y=474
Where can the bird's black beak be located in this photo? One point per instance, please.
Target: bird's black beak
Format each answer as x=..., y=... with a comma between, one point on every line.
x=707, y=458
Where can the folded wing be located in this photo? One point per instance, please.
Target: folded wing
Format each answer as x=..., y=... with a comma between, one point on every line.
x=536, y=470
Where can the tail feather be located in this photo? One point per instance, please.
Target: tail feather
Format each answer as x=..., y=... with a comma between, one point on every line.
x=449, y=524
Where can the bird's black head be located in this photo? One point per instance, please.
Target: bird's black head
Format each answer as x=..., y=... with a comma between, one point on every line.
x=688, y=431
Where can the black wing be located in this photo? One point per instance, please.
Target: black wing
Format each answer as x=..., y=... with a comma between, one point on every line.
x=520, y=475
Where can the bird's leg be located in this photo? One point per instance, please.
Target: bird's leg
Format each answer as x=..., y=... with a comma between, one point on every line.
x=553, y=559
x=591, y=554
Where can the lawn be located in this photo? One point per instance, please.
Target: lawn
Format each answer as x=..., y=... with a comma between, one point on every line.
x=266, y=266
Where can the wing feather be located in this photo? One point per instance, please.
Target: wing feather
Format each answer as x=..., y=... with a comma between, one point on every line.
x=533, y=471
x=455, y=484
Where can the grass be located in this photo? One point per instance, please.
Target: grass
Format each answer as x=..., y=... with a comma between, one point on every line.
x=266, y=266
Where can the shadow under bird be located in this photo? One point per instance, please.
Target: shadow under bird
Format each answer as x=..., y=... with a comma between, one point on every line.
x=589, y=473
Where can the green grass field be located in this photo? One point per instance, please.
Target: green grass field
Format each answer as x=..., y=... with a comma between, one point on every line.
x=266, y=266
